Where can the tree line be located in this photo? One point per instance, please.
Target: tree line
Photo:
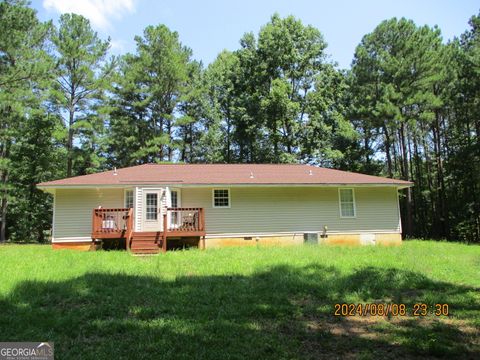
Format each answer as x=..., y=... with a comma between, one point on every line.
x=409, y=108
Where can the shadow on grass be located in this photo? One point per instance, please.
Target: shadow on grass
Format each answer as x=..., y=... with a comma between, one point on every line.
x=283, y=312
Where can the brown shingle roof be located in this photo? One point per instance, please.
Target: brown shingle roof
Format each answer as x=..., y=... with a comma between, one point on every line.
x=203, y=174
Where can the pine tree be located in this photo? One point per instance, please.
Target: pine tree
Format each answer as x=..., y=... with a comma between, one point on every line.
x=24, y=66
x=82, y=75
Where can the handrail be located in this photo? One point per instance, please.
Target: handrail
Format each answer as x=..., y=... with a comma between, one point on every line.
x=111, y=220
x=110, y=209
x=187, y=219
x=119, y=223
x=184, y=208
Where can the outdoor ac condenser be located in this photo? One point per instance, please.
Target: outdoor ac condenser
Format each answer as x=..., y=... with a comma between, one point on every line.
x=310, y=238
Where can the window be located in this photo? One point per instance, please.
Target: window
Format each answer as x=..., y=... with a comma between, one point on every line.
x=151, y=208
x=174, y=195
x=347, y=203
x=129, y=199
x=221, y=198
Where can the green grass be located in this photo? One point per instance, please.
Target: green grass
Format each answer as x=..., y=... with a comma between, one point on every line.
x=241, y=303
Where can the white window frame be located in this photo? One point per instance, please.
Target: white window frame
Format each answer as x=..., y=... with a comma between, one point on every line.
x=179, y=196
x=125, y=198
x=340, y=203
x=229, y=199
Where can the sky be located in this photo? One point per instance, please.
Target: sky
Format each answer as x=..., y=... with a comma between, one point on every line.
x=209, y=26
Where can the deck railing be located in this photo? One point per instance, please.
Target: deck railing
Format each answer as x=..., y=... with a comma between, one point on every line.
x=188, y=220
x=118, y=223
x=112, y=222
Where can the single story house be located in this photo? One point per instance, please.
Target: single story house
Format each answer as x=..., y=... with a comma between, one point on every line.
x=154, y=206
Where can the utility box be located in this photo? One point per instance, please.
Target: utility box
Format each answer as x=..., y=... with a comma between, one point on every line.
x=310, y=238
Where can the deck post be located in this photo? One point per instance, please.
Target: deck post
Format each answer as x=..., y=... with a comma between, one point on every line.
x=202, y=219
x=129, y=230
x=94, y=222
x=164, y=235
x=94, y=226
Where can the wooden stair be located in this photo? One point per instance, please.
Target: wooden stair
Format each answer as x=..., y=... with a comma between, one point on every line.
x=146, y=243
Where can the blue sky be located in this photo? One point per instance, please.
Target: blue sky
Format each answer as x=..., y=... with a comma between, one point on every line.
x=210, y=26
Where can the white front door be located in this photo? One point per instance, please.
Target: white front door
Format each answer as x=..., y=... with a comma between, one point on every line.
x=152, y=210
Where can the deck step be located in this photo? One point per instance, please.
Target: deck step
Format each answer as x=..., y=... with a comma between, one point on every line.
x=136, y=250
x=146, y=252
x=146, y=243
x=141, y=247
x=144, y=248
x=147, y=233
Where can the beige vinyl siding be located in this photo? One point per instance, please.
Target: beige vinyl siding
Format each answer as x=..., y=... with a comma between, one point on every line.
x=138, y=208
x=73, y=210
x=283, y=209
x=252, y=210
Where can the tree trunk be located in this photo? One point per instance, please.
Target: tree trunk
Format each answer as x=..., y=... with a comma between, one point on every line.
x=183, y=153
x=190, y=142
x=275, y=139
x=420, y=208
x=395, y=153
x=440, y=177
x=4, y=151
x=169, y=146
x=4, y=200
x=160, y=132
x=387, y=150
x=228, y=140
x=405, y=175
x=428, y=169
x=366, y=147
x=414, y=191
x=70, y=141
x=3, y=214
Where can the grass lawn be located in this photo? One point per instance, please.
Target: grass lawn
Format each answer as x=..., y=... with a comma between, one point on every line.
x=242, y=303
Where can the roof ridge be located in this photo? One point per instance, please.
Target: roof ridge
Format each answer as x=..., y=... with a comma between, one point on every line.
x=277, y=164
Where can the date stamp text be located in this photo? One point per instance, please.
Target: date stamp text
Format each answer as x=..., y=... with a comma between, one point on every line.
x=391, y=309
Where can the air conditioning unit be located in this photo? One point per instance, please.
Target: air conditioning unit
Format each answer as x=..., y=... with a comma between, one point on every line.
x=310, y=238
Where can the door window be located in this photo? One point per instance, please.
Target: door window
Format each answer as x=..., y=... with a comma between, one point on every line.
x=152, y=206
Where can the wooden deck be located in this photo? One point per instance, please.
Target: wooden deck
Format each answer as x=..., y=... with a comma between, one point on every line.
x=118, y=223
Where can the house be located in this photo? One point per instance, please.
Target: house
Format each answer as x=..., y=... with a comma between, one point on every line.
x=154, y=206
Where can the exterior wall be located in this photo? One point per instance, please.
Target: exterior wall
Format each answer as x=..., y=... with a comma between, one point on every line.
x=289, y=210
x=73, y=211
x=81, y=246
x=266, y=215
x=385, y=239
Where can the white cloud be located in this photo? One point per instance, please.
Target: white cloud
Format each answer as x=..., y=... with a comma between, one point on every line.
x=99, y=12
x=117, y=45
